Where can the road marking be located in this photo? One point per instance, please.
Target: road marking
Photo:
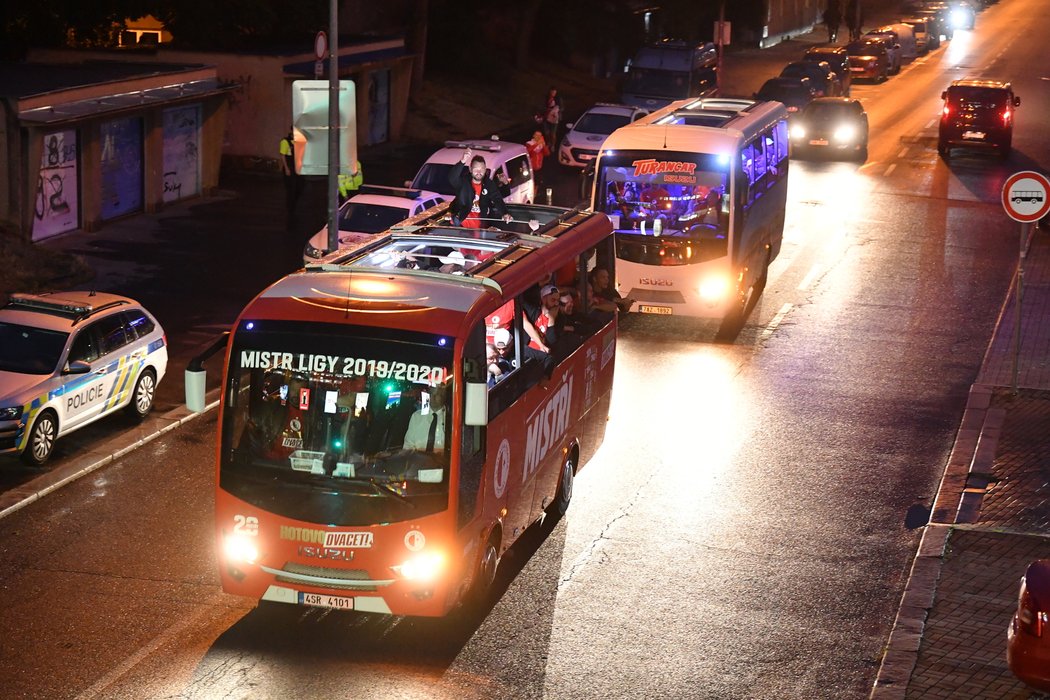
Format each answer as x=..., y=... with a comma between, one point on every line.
x=930, y=124
x=893, y=166
x=772, y=326
x=813, y=273
x=903, y=152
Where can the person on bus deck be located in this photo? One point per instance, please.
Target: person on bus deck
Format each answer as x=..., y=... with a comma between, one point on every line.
x=603, y=295
x=498, y=366
x=426, y=427
x=478, y=199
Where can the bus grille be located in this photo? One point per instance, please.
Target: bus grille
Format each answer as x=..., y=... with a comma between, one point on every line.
x=658, y=296
x=321, y=572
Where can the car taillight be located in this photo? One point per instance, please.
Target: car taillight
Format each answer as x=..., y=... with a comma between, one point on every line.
x=947, y=111
x=1032, y=621
x=1006, y=117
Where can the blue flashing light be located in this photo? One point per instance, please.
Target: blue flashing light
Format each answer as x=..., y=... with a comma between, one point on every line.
x=723, y=159
x=250, y=325
x=442, y=342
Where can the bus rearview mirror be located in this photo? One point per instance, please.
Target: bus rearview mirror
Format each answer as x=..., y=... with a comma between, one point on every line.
x=476, y=405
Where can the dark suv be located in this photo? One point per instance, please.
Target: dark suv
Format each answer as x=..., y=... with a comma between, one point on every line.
x=977, y=113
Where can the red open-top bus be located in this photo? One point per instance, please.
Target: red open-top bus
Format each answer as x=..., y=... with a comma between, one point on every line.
x=366, y=459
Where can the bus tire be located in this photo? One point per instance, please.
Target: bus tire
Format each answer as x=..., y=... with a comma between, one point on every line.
x=485, y=577
x=142, y=397
x=565, y=482
x=41, y=439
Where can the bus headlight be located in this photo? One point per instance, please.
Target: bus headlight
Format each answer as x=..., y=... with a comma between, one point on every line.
x=422, y=567
x=240, y=549
x=844, y=132
x=714, y=289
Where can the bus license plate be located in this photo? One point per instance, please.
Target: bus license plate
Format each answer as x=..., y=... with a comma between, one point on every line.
x=326, y=601
x=646, y=309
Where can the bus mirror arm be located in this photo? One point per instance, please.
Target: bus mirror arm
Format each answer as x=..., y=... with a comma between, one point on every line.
x=476, y=404
x=196, y=376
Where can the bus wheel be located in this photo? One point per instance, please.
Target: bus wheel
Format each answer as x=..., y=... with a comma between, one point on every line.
x=565, y=481
x=41, y=439
x=486, y=574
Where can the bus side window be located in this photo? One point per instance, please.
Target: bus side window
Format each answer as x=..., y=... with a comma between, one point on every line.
x=747, y=163
x=472, y=438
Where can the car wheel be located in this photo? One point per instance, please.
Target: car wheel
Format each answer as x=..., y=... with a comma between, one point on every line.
x=943, y=150
x=41, y=439
x=142, y=399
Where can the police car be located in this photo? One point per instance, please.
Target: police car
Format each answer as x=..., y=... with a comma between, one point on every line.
x=580, y=145
x=371, y=210
x=70, y=358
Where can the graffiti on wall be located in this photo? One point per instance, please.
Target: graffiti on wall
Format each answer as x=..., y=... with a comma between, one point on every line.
x=181, y=152
x=56, y=207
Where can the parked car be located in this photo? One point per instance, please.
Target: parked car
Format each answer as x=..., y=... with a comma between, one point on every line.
x=831, y=124
x=977, y=114
x=893, y=49
x=68, y=359
x=837, y=58
x=585, y=136
x=372, y=210
x=904, y=35
x=1028, y=636
x=926, y=37
x=868, y=60
x=505, y=160
x=795, y=93
x=825, y=81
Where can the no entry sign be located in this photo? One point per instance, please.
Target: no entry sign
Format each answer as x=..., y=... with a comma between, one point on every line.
x=1025, y=196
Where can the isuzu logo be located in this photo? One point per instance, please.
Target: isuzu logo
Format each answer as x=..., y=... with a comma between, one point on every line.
x=655, y=282
x=322, y=553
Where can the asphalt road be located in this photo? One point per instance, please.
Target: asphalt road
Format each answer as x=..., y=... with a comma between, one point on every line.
x=744, y=531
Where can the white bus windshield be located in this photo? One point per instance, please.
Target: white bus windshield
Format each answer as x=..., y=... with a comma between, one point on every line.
x=338, y=424
x=666, y=208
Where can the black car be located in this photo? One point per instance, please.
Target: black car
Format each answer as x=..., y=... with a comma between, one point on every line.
x=795, y=93
x=837, y=59
x=831, y=125
x=977, y=114
x=822, y=77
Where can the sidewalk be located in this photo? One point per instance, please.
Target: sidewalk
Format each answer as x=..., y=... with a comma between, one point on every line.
x=990, y=520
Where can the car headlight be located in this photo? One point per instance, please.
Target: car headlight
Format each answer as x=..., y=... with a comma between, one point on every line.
x=425, y=566
x=798, y=132
x=845, y=132
x=11, y=413
x=240, y=549
x=714, y=289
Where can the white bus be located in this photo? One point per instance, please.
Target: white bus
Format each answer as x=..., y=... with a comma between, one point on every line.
x=696, y=192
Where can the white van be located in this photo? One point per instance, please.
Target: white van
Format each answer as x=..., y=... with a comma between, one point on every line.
x=925, y=39
x=905, y=37
x=502, y=158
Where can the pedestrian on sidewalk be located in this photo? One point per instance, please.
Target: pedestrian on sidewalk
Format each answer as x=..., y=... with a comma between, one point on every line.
x=292, y=183
x=550, y=116
x=833, y=18
x=854, y=18
x=538, y=150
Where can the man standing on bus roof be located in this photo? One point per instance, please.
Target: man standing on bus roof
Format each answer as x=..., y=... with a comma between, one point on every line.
x=478, y=199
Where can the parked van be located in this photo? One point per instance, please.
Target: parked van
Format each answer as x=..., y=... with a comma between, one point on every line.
x=905, y=37
x=670, y=70
x=507, y=163
x=926, y=38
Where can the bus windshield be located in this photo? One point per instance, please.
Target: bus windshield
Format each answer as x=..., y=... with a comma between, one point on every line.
x=667, y=208
x=339, y=425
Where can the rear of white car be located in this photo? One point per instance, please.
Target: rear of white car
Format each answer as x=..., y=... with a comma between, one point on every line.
x=70, y=358
x=505, y=162
x=584, y=138
x=372, y=210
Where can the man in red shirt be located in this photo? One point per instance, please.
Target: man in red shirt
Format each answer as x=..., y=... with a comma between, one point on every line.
x=478, y=201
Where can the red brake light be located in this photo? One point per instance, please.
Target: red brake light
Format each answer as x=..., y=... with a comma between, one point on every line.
x=1032, y=620
x=947, y=111
x=1006, y=117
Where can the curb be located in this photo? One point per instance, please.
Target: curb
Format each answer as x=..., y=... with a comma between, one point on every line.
x=18, y=498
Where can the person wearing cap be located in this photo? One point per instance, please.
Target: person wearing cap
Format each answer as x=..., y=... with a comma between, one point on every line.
x=498, y=365
x=478, y=199
x=541, y=323
x=454, y=263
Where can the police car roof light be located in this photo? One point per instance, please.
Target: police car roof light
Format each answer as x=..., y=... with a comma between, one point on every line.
x=42, y=303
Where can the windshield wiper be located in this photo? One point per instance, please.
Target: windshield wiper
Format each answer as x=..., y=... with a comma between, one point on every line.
x=383, y=488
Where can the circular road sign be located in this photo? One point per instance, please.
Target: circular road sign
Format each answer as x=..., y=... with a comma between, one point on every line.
x=320, y=45
x=1026, y=196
